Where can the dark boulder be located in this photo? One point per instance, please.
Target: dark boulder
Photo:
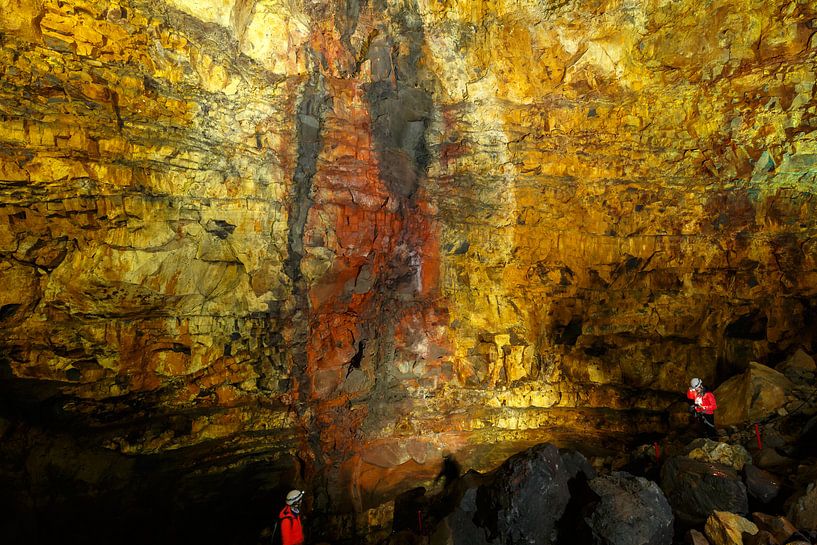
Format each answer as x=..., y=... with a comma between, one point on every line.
x=761, y=485
x=780, y=528
x=696, y=488
x=577, y=465
x=527, y=496
x=518, y=503
x=803, y=508
x=630, y=511
x=694, y=537
x=459, y=528
x=770, y=458
x=761, y=538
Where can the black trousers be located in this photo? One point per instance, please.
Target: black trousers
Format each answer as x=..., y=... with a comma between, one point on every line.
x=708, y=422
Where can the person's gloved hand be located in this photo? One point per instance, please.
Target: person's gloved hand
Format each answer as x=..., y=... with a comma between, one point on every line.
x=691, y=408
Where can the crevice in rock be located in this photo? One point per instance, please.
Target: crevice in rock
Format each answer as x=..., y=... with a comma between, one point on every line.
x=354, y=363
x=750, y=326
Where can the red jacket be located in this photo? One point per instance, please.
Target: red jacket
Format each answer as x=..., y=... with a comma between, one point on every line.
x=292, y=533
x=704, y=403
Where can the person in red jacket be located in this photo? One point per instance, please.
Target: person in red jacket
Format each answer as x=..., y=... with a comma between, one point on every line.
x=292, y=533
x=703, y=403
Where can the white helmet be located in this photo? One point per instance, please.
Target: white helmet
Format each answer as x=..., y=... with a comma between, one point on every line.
x=695, y=383
x=294, y=496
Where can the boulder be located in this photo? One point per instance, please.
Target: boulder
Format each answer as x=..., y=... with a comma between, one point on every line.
x=761, y=485
x=459, y=528
x=724, y=528
x=803, y=510
x=694, y=537
x=761, y=538
x=630, y=511
x=772, y=437
x=780, y=528
x=519, y=502
x=576, y=464
x=525, y=498
x=706, y=450
x=758, y=392
x=769, y=458
x=695, y=489
x=798, y=367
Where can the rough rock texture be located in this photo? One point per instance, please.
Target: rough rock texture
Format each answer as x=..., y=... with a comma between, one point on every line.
x=780, y=527
x=761, y=538
x=751, y=396
x=527, y=496
x=458, y=528
x=723, y=528
x=694, y=537
x=630, y=511
x=799, y=360
x=800, y=367
x=803, y=511
x=520, y=502
x=770, y=458
x=761, y=484
x=337, y=239
x=695, y=489
x=734, y=456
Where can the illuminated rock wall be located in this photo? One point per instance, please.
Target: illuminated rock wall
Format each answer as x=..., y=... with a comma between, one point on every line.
x=367, y=233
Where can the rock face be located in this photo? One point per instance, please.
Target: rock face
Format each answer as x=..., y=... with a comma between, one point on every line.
x=290, y=241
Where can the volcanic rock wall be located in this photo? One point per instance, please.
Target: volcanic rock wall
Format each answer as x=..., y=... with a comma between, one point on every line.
x=338, y=239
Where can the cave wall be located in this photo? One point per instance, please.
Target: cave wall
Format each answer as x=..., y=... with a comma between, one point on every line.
x=345, y=237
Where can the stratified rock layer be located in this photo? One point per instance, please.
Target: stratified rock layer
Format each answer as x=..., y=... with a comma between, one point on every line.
x=344, y=238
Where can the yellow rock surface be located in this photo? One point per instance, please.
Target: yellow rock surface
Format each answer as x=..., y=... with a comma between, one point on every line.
x=723, y=528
